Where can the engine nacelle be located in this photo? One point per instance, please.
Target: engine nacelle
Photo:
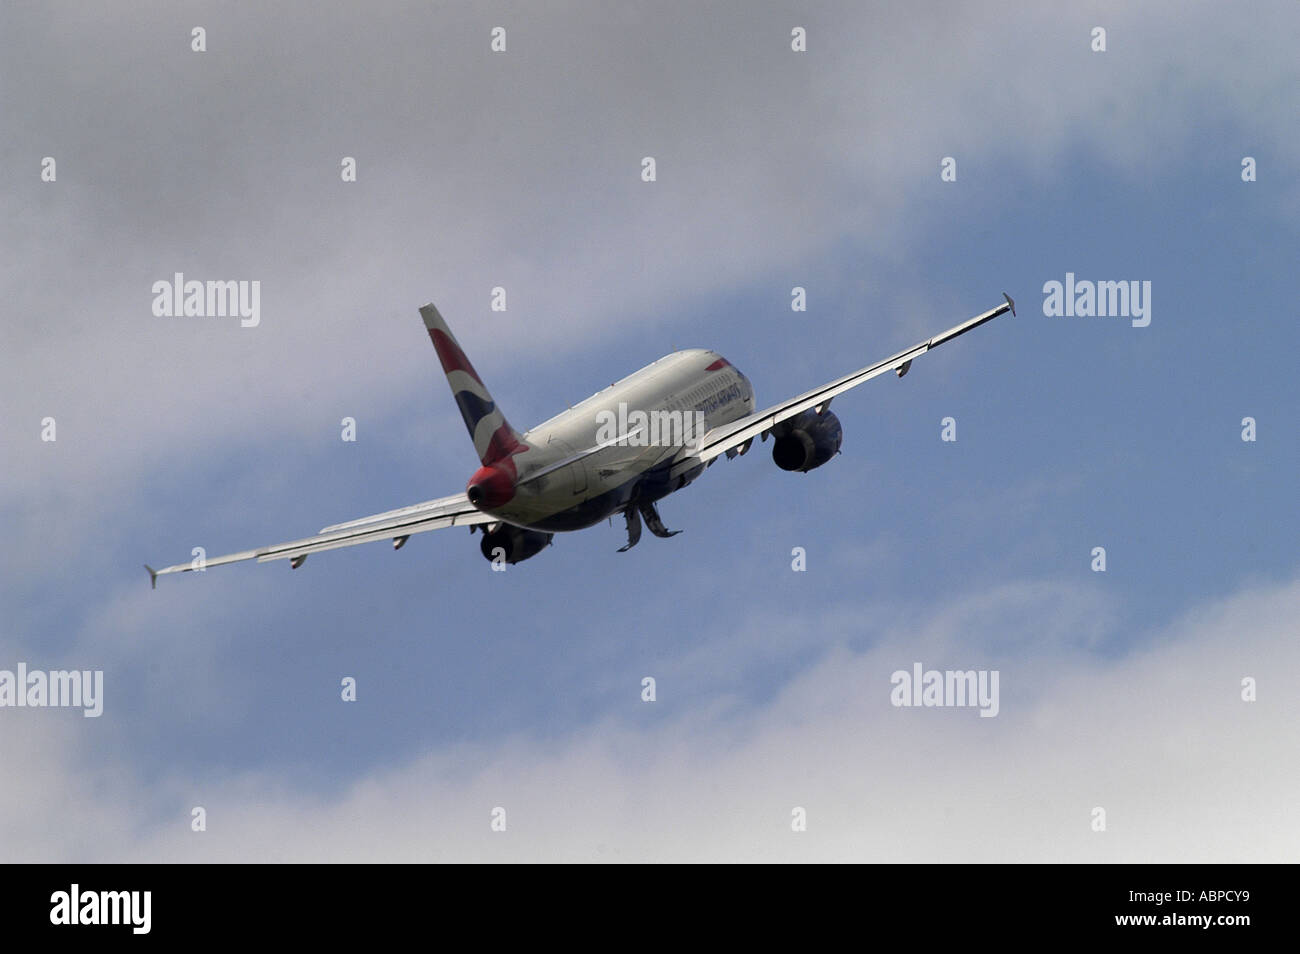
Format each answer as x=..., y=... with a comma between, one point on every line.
x=807, y=440
x=515, y=543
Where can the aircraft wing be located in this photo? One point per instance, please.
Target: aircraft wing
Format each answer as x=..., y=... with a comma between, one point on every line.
x=395, y=525
x=738, y=434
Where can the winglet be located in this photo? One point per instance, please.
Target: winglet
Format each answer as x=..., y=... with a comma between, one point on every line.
x=153, y=577
x=1010, y=303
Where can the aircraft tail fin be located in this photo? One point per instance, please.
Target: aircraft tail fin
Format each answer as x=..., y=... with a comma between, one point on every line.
x=494, y=439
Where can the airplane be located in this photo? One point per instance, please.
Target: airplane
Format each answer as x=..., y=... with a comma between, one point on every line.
x=563, y=475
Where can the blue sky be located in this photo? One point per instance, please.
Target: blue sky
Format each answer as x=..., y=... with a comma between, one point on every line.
x=522, y=689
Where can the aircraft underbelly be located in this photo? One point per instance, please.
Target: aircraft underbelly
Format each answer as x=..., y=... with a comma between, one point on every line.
x=604, y=483
x=554, y=506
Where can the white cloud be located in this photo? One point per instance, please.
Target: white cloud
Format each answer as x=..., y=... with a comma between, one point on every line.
x=1185, y=770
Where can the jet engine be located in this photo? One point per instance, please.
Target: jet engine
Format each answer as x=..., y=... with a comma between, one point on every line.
x=807, y=440
x=515, y=543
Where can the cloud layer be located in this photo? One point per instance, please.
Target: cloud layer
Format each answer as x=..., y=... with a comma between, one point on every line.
x=1162, y=740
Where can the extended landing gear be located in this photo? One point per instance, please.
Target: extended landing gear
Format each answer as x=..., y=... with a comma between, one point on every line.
x=655, y=524
x=633, y=528
x=633, y=515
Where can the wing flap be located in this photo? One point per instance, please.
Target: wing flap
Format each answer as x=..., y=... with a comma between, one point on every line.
x=453, y=504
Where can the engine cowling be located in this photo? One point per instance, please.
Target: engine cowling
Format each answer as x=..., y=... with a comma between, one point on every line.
x=514, y=543
x=807, y=440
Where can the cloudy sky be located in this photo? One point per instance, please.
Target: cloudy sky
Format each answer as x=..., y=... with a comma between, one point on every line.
x=1120, y=690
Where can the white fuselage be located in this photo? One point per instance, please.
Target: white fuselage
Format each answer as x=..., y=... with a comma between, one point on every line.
x=683, y=388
